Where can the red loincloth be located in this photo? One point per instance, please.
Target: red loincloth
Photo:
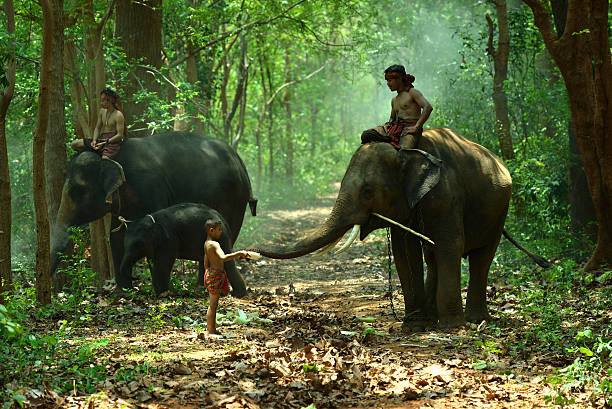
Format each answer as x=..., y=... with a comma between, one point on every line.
x=216, y=282
x=110, y=150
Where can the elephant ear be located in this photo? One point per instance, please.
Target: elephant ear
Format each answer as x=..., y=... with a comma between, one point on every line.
x=112, y=176
x=421, y=173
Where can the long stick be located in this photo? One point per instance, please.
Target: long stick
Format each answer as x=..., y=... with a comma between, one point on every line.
x=416, y=233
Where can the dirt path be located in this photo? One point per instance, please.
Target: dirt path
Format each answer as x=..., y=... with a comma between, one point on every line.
x=315, y=332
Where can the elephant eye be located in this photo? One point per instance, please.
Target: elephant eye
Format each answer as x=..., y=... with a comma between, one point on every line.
x=367, y=192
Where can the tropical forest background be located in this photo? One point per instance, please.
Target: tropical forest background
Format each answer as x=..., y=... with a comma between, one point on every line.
x=290, y=85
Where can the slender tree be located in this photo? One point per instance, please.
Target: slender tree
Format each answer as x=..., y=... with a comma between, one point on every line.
x=5, y=183
x=85, y=98
x=43, y=279
x=500, y=65
x=582, y=53
x=55, y=144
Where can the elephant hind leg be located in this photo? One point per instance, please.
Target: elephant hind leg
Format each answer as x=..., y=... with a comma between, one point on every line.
x=476, y=304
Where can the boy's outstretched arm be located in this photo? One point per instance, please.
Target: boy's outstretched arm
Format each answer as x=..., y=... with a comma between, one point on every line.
x=228, y=257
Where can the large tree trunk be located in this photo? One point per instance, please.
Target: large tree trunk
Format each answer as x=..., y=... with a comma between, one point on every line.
x=5, y=182
x=55, y=144
x=43, y=279
x=138, y=25
x=582, y=54
x=500, y=64
x=582, y=211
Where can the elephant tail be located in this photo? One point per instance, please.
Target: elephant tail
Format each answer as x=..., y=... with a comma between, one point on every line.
x=253, y=205
x=541, y=261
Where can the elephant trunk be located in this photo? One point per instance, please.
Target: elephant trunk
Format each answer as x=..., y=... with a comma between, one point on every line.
x=59, y=234
x=333, y=229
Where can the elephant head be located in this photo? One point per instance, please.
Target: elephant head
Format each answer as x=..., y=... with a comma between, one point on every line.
x=378, y=180
x=141, y=239
x=90, y=181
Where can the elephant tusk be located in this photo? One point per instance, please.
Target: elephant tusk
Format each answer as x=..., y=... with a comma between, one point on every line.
x=327, y=248
x=349, y=241
x=416, y=233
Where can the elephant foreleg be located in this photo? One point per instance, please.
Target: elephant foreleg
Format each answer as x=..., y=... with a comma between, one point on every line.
x=409, y=263
x=200, y=279
x=431, y=283
x=160, y=273
x=122, y=278
x=448, y=290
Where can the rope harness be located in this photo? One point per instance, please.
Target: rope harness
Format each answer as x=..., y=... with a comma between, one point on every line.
x=123, y=222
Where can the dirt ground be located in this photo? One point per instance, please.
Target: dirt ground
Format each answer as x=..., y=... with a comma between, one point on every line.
x=313, y=333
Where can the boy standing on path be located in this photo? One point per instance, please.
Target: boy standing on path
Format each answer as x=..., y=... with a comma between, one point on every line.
x=409, y=111
x=110, y=128
x=215, y=278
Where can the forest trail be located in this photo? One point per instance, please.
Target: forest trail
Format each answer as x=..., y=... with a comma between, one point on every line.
x=313, y=333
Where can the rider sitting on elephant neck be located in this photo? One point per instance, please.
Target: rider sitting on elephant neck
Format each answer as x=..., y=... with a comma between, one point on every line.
x=409, y=111
x=110, y=128
x=215, y=278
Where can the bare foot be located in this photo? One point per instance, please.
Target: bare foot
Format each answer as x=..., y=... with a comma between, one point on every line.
x=214, y=335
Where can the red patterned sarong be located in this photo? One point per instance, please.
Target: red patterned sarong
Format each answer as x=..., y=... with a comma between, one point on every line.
x=216, y=282
x=109, y=150
x=396, y=129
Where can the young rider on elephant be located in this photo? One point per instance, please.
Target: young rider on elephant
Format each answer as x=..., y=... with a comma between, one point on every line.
x=409, y=111
x=110, y=128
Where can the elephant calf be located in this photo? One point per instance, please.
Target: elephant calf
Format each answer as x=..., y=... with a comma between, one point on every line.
x=171, y=233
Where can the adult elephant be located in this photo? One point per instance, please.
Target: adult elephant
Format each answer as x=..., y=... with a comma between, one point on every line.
x=156, y=172
x=454, y=191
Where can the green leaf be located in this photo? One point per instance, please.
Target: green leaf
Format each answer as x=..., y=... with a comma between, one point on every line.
x=480, y=365
x=586, y=351
x=367, y=319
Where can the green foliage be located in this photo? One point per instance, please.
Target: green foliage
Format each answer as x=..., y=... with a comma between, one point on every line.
x=8, y=327
x=591, y=369
x=30, y=358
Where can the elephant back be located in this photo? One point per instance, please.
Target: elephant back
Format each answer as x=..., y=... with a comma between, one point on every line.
x=176, y=167
x=466, y=157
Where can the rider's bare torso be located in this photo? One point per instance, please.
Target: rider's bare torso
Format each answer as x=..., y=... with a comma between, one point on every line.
x=405, y=105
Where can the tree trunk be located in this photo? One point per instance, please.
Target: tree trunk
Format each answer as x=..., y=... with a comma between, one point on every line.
x=43, y=279
x=582, y=53
x=5, y=182
x=500, y=64
x=138, y=25
x=94, y=61
x=582, y=212
x=271, y=137
x=80, y=120
x=241, y=91
x=260, y=121
x=55, y=144
x=288, y=134
x=88, y=95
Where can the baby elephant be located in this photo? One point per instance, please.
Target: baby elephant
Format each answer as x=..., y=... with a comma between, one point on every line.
x=171, y=233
